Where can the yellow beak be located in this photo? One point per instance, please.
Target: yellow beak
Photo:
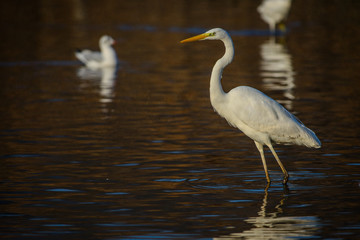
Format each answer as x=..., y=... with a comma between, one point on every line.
x=196, y=38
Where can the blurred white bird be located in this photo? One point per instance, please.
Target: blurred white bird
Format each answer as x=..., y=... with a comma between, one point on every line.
x=106, y=58
x=274, y=11
x=258, y=116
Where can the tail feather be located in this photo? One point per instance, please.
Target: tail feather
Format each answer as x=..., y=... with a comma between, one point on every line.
x=79, y=55
x=310, y=139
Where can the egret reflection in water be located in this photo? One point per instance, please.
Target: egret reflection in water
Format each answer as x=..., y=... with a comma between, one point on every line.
x=106, y=77
x=277, y=71
x=272, y=225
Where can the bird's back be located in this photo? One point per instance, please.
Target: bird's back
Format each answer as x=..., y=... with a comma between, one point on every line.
x=262, y=118
x=86, y=56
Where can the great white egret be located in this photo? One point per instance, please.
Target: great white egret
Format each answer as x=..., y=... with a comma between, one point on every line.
x=274, y=11
x=258, y=116
x=106, y=58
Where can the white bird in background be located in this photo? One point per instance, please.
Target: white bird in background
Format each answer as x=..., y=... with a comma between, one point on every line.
x=106, y=58
x=258, y=116
x=274, y=11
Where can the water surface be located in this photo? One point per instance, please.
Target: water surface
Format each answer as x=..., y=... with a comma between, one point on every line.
x=137, y=152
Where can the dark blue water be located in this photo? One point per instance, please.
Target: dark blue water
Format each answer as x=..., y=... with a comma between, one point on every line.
x=137, y=152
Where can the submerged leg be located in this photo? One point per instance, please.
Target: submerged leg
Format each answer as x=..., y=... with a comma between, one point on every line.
x=260, y=147
x=286, y=175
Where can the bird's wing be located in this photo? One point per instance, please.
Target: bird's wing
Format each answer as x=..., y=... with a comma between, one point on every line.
x=261, y=113
x=88, y=55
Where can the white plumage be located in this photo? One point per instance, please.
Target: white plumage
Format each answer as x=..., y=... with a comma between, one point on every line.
x=265, y=120
x=274, y=11
x=93, y=59
x=258, y=116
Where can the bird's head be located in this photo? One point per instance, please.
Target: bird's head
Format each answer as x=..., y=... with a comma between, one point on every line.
x=106, y=41
x=212, y=34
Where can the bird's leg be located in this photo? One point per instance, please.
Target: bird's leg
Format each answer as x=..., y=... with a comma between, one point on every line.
x=260, y=147
x=286, y=175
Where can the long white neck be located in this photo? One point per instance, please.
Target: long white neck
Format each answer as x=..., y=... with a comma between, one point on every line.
x=217, y=93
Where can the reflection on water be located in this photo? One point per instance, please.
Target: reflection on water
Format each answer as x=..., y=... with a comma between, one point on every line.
x=137, y=152
x=106, y=77
x=270, y=224
x=277, y=71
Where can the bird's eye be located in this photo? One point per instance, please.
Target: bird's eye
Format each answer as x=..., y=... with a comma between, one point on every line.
x=212, y=34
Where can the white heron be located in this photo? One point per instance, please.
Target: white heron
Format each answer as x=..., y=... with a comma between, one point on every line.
x=258, y=116
x=93, y=59
x=274, y=11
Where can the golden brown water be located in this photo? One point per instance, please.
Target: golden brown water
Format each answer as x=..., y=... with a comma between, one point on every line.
x=138, y=152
